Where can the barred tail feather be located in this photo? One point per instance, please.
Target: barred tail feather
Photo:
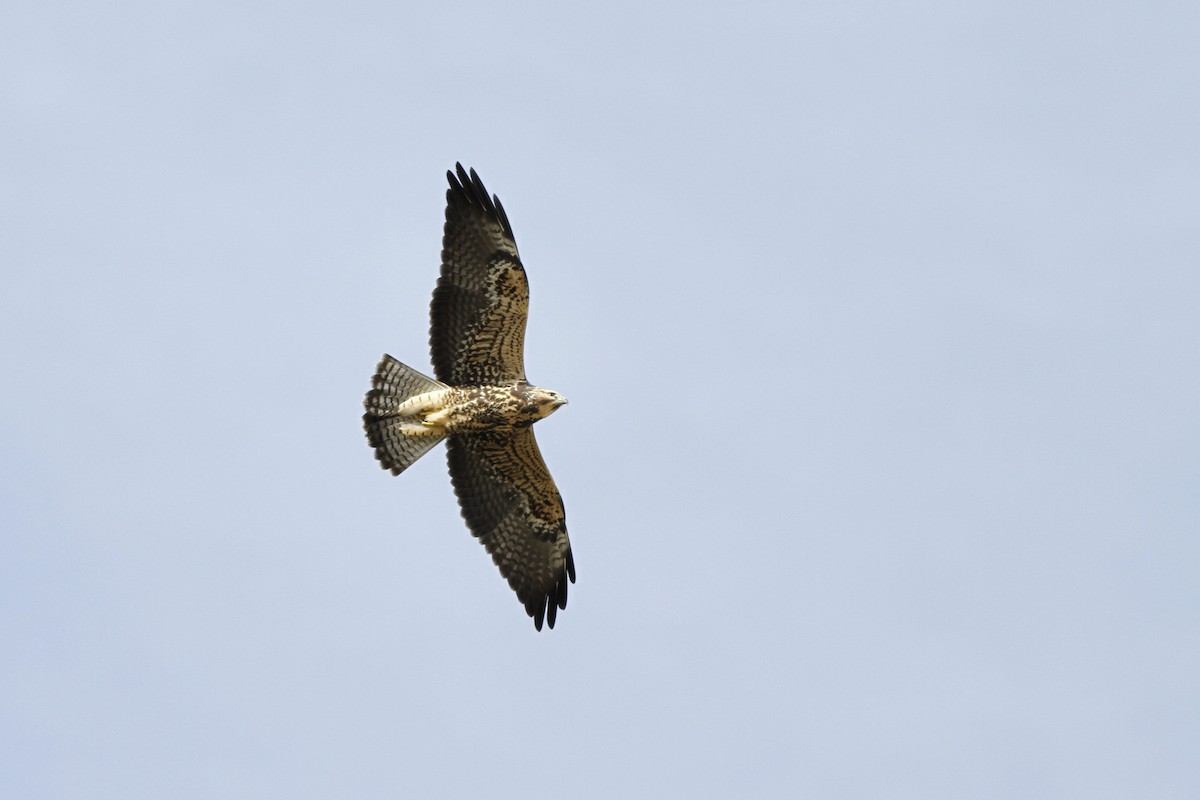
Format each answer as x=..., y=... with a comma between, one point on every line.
x=392, y=384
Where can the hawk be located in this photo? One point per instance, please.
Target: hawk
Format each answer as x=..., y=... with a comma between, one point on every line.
x=481, y=404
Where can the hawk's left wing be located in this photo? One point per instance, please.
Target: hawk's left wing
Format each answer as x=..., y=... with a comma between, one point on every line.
x=512, y=506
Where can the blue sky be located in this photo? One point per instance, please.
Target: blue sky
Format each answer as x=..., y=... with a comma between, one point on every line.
x=879, y=325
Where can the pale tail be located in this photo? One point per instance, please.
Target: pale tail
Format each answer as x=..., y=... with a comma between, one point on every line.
x=392, y=384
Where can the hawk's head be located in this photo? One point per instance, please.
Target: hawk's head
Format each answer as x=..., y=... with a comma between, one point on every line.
x=547, y=401
x=537, y=402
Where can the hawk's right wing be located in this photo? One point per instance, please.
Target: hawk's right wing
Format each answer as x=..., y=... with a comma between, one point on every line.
x=512, y=506
x=479, y=308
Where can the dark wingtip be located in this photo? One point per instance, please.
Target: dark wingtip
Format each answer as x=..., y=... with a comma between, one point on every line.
x=468, y=186
x=549, y=605
x=500, y=212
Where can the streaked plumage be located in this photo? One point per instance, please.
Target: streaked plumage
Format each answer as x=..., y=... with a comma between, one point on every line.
x=481, y=403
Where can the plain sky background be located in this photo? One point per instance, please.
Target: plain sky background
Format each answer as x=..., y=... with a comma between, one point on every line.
x=881, y=328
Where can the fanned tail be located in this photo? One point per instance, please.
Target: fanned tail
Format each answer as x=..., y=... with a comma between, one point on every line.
x=392, y=384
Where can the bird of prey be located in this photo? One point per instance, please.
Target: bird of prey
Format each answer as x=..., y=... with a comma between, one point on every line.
x=481, y=404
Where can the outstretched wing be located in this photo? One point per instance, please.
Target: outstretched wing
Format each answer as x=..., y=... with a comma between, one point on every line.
x=477, y=317
x=511, y=504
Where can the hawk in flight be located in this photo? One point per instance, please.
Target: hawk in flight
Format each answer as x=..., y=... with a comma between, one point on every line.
x=481, y=403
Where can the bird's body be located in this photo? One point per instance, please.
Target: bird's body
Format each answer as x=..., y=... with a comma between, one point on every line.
x=481, y=403
x=470, y=409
